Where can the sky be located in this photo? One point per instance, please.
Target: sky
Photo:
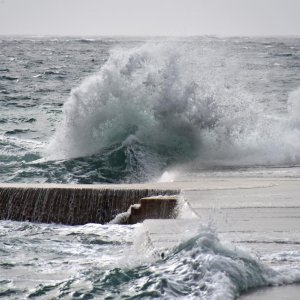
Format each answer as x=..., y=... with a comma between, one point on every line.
x=150, y=17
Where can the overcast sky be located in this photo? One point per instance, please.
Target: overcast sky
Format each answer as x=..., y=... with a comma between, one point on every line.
x=150, y=17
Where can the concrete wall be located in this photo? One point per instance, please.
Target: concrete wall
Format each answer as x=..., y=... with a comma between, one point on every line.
x=67, y=204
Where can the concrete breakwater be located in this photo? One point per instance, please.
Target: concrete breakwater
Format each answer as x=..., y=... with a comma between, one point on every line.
x=70, y=204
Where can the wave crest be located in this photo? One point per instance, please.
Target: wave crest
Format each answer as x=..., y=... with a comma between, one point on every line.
x=175, y=101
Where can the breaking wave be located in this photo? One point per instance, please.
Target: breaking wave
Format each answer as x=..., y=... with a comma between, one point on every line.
x=204, y=267
x=113, y=262
x=165, y=104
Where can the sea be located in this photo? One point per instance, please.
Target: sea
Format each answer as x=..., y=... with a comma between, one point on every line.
x=126, y=110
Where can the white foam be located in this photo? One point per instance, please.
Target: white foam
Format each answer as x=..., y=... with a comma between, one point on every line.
x=168, y=176
x=172, y=99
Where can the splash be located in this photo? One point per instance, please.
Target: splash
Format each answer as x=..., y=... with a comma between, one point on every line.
x=203, y=267
x=163, y=104
x=116, y=261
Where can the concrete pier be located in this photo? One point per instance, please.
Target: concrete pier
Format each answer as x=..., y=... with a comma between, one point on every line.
x=261, y=215
x=155, y=207
x=70, y=204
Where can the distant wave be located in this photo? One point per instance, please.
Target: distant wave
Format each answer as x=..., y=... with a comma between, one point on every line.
x=5, y=77
x=170, y=103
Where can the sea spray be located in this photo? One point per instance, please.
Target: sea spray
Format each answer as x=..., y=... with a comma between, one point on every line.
x=174, y=106
x=294, y=107
x=191, y=103
x=136, y=93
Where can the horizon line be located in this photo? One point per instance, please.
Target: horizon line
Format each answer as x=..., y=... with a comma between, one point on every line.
x=148, y=35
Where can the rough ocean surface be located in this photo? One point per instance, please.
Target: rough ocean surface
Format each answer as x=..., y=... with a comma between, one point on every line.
x=92, y=111
x=125, y=110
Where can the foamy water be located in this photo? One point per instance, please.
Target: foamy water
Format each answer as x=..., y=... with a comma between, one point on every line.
x=101, y=261
x=103, y=111
x=124, y=110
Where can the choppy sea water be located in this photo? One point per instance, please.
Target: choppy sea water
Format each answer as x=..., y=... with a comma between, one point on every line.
x=42, y=261
x=126, y=110
x=107, y=110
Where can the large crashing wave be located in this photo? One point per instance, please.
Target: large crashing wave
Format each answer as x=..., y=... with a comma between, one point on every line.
x=164, y=104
